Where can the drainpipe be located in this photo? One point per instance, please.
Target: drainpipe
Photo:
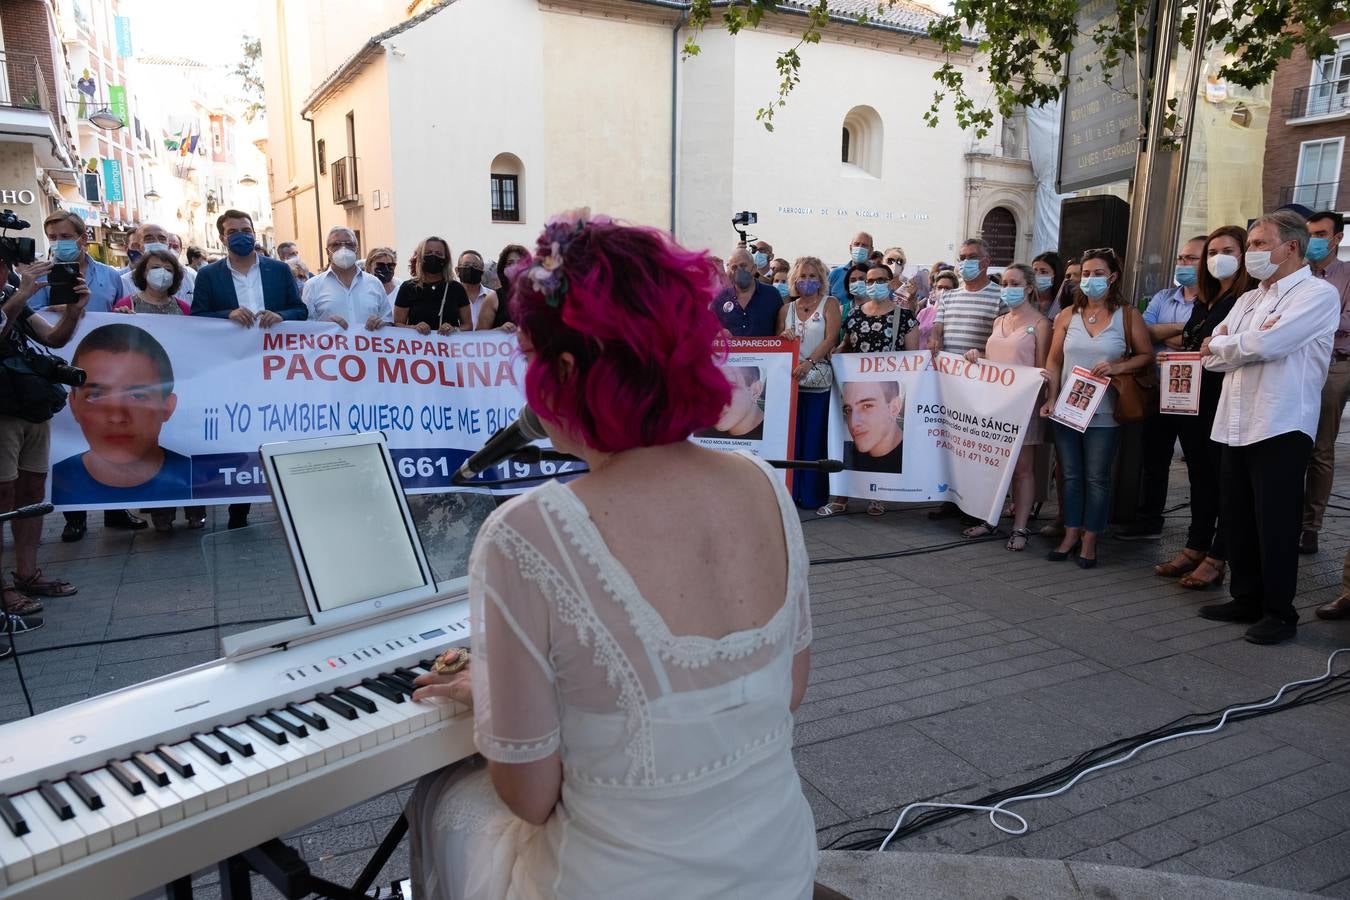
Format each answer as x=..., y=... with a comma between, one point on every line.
x=314, y=161
x=674, y=115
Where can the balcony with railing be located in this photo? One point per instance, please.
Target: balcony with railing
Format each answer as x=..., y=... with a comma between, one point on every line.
x=1317, y=196
x=344, y=181
x=1321, y=99
x=28, y=110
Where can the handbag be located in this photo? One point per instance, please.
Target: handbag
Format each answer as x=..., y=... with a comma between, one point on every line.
x=820, y=377
x=1134, y=390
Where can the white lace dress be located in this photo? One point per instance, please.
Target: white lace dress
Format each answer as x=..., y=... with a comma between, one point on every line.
x=678, y=780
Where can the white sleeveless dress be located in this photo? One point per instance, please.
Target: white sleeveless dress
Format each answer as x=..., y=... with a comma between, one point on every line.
x=678, y=779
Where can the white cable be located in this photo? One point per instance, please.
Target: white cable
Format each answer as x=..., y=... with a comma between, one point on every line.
x=997, y=809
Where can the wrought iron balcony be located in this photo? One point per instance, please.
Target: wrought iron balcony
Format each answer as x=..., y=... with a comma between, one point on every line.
x=344, y=180
x=1321, y=98
x=1317, y=196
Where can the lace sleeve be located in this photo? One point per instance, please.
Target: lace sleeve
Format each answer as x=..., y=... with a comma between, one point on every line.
x=515, y=704
x=799, y=590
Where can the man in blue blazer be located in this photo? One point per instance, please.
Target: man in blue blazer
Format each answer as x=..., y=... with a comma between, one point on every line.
x=246, y=288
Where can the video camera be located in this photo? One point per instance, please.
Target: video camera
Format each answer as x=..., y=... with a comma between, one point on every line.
x=741, y=220
x=15, y=249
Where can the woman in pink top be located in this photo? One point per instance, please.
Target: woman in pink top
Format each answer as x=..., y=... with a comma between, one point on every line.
x=1020, y=338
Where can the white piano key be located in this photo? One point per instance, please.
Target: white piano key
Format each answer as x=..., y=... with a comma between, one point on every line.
x=70, y=840
x=144, y=813
x=97, y=829
x=170, y=804
x=16, y=859
x=344, y=735
x=331, y=742
x=312, y=751
x=42, y=845
x=272, y=768
x=232, y=779
x=121, y=821
x=387, y=709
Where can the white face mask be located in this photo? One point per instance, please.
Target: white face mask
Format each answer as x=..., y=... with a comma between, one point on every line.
x=344, y=258
x=159, y=279
x=1259, y=265
x=1222, y=266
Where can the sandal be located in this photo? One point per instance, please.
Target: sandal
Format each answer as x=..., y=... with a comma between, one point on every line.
x=196, y=522
x=38, y=586
x=874, y=508
x=832, y=508
x=1183, y=563
x=1017, y=542
x=1197, y=582
x=23, y=606
x=981, y=530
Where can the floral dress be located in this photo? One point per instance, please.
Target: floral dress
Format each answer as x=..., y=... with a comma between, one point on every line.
x=875, y=334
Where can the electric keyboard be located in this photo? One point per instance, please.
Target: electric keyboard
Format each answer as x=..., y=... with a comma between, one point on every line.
x=125, y=792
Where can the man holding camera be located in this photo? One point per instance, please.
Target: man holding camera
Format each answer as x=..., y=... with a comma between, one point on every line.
x=24, y=442
x=73, y=267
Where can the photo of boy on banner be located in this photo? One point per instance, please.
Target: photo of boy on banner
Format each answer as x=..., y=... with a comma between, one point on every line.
x=744, y=416
x=874, y=416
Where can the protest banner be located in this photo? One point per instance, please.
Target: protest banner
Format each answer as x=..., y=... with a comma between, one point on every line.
x=1179, y=383
x=762, y=415
x=914, y=426
x=175, y=409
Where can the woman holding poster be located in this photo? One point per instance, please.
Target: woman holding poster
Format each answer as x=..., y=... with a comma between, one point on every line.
x=1020, y=337
x=1223, y=279
x=1096, y=331
x=812, y=319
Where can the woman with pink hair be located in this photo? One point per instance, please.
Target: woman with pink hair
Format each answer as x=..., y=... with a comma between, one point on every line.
x=641, y=635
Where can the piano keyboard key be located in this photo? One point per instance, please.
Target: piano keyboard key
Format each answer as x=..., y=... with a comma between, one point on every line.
x=333, y=704
x=125, y=778
x=55, y=801
x=16, y=864
x=152, y=769
x=272, y=734
x=144, y=817
x=364, y=704
x=393, y=679
x=67, y=837
x=375, y=686
x=212, y=752
x=221, y=783
x=312, y=719
x=234, y=742
x=41, y=843
x=178, y=764
x=85, y=791
x=296, y=728
x=17, y=826
x=121, y=820
x=98, y=831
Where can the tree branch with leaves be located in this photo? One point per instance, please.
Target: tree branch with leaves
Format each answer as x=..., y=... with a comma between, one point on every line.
x=249, y=73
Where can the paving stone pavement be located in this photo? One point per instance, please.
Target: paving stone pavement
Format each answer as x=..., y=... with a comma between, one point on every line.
x=943, y=675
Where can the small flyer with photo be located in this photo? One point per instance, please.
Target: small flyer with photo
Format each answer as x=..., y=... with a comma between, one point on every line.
x=1179, y=383
x=1079, y=398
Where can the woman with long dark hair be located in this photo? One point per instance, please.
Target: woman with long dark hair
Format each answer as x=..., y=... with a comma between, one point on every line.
x=496, y=311
x=1223, y=279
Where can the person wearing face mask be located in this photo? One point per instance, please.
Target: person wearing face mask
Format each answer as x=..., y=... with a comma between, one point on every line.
x=469, y=270
x=811, y=318
x=780, y=283
x=1202, y=561
x=856, y=282
x=496, y=310
x=748, y=308
x=156, y=237
x=135, y=250
x=1049, y=269
x=430, y=300
x=761, y=253
x=1325, y=233
x=1073, y=273
x=859, y=252
x=942, y=283
x=1166, y=315
x=1273, y=348
x=342, y=293
x=382, y=262
x=1102, y=333
x=1021, y=337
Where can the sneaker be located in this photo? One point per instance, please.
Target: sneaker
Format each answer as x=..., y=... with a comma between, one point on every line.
x=1140, y=531
x=1271, y=630
x=1232, y=611
x=15, y=624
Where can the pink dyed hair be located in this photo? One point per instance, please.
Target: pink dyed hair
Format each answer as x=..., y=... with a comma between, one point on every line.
x=636, y=316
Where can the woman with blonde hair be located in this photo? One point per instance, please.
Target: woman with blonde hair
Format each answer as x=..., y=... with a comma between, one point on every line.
x=382, y=262
x=812, y=318
x=431, y=300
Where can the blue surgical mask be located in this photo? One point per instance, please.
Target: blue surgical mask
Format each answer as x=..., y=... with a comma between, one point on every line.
x=808, y=287
x=1013, y=296
x=133, y=256
x=879, y=291
x=1318, y=249
x=1044, y=282
x=857, y=288
x=782, y=288
x=1186, y=276
x=744, y=278
x=860, y=254
x=156, y=245
x=761, y=260
x=66, y=250
x=1095, y=287
x=241, y=243
x=969, y=269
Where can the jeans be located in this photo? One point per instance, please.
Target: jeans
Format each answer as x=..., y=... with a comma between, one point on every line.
x=1086, y=458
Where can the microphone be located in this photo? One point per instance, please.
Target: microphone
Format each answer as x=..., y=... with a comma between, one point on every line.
x=819, y=465
x=27, y=512
x=519, y=434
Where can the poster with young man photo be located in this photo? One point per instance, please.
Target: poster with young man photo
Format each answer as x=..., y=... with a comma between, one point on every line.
x=761, y=415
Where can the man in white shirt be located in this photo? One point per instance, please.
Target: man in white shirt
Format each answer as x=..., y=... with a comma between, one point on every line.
x=156, y=237
x=1274, y=348
x=343, y=293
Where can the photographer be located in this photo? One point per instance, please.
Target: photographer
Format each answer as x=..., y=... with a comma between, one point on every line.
x=24, y=443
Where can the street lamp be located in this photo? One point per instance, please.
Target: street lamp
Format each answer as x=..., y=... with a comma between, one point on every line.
x=248, y=180
x=152, y=194
x=105, y=118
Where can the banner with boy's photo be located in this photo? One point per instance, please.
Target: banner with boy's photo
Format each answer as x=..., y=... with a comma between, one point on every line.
x=761, y=417
x=914, y=426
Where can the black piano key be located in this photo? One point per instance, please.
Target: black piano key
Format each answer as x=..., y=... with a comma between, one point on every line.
x=176, y=762
x=403, y=684
x=151, y=767
x=267, y=731
x=328, y=701
x=84, y=790
x=17, y=826
x=215, y=754
x=125, y=777
x=379, y=687
x=408, y=674
x=243, y=748
x=354, y=699
x=294, y=728
x=313, y=720
x=54, y=800
x=426, y=663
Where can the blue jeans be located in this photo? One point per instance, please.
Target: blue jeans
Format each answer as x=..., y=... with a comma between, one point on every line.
x=1086, y=459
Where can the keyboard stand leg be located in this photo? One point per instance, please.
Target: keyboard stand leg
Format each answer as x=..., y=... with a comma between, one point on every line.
x=235, y=883
x=382, y=854
x=179, y=889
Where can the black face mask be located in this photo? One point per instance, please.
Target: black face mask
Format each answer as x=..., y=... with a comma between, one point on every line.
x=470, y=274
x=384, y=272
x=432, y=265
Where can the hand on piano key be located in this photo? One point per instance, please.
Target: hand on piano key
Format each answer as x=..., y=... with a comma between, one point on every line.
x=441, y=688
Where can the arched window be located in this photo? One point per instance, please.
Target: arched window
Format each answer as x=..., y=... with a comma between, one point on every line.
x=507, y=183
x=999, y=231
x=862, y=142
